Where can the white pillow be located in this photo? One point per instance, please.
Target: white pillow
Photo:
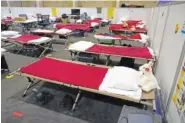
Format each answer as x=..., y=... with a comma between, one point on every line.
x=9, y=33
x=79, y=21
x=94, y=24
x=105, y=20
x=63, y=31
x=122, y=78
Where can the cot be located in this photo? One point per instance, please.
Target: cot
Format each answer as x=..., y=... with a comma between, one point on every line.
x=30, y=43
x=119, y=28
x=107, y=50
x=62, y=33
x=111, y=38
x=79, y=76
x=80, y=29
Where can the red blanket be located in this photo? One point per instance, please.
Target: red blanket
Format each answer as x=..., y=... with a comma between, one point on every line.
x=25, y=38
x=135, y=52
x=66, y=72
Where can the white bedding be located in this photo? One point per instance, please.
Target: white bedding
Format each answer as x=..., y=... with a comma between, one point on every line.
x=63, y=31
x=2, y=51
x=81, y=45
x=123, y=81
x=39, y=41
x=93, y=24
x=43, y=30
x=7, y=34
x=104, y=37
x=105, y=20
x=79, y=21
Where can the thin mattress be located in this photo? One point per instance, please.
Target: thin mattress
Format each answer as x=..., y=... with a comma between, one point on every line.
x=78, y=74
x=84, y=27
x=134, y=37
x=133, y=52
x=29, y=39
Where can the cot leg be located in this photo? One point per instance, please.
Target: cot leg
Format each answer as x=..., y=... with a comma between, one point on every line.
x=76, y=100
x=73, y=54
x=108, y=59
x=28, y=87
x=31, y=84
x=120, y=42
x=42, y=53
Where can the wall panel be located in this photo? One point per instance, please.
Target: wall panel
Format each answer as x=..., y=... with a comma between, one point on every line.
x=4, y=4
x=56, y=4
x=29, y=3
x=96, y=4
x=15, y=3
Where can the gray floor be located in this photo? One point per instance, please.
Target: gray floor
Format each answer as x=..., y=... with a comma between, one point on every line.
x=11, y=86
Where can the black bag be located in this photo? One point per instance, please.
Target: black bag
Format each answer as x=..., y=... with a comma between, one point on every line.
x=127, y=62
x=64, y=16
x=67, y=101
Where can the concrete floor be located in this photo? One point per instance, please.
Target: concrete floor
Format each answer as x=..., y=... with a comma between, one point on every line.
x=11, y=86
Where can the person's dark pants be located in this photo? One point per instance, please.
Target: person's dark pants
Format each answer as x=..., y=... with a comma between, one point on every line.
x=4, y=65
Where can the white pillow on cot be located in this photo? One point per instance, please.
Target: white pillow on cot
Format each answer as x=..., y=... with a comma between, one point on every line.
x=122, y=78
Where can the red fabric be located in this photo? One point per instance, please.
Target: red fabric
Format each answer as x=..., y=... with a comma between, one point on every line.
x=66, y=72
x=25, y=38
x=132, y=22
x=136, y=52
x=72, y=26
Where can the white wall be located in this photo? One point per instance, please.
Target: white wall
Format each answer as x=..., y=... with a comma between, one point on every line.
x=46, y=10
x=159, y=28
x=130, y=13
x=172, y=114
x=152, y=24
x=171, y=48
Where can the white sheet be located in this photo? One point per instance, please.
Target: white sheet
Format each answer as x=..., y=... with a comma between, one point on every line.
x=2, y=51
x=79, y=21
x=104, y=37
x=8, y=34
x=151, y=51
x=63, y=31
x=52, y=18
x=105, y=20
x=43, y=30
x=93, y=24
x=81, y=45
x=123, y=81
x=144, y=38
x=39, y=41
